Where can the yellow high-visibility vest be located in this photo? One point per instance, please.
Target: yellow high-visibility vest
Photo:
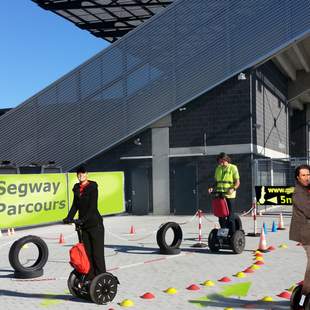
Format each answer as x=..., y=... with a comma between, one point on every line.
x=225, y=177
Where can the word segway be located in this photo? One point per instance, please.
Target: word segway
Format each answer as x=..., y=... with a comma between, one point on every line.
x=225, y=237
x=101, y=290
x=296, y=297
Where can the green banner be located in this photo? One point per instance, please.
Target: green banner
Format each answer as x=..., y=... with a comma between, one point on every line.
x=111, y=199
x=34, y=199
x=28, y=199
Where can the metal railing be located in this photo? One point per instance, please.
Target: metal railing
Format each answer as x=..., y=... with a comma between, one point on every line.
x=277, y=172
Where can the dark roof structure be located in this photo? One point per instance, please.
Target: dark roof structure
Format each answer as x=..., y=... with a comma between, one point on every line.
x=107, y=19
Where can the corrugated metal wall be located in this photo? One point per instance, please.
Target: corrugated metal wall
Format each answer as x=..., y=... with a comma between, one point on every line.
x=182, y=52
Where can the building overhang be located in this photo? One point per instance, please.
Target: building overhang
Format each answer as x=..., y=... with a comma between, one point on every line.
x=294, y=62
x=107, y=19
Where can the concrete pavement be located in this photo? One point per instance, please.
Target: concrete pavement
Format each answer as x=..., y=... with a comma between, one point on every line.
x=135, y=260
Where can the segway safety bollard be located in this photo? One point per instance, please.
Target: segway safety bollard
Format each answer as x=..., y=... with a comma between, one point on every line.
x=200, y=244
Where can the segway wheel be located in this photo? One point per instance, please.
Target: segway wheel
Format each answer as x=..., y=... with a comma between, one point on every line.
x=103, y=288
x=237, y=241
x=212, y=241
x=75, y=286
x=295, y=298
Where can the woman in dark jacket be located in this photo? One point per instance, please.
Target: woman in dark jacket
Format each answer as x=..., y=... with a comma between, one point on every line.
x=85, y=201
x=300, y=223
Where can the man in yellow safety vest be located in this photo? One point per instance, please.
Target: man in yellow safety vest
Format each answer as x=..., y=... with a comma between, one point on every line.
x=227, y=180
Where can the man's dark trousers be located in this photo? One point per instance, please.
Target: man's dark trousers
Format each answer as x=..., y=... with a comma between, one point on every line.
x=229, y=221
x=93, y=239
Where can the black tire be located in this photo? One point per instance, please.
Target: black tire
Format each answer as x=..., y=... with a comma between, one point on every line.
x=212, y=241
x=295, y=297
x=16, y=247
x=103, y=288
x=237, y=242
x=170, y=251
x=238, y=223
x=161, y=236
x=28, y=274
x=74, y=284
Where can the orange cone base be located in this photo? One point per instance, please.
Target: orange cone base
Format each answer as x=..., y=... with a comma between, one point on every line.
x=259, y=255
x=271, y=248
x=193, y=287
x=224, y=279
x=259, y=262
x=285, y=295
x=148, y=295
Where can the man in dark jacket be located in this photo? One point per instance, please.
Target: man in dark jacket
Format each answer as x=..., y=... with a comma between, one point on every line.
x=85, y=201
x=300, y=223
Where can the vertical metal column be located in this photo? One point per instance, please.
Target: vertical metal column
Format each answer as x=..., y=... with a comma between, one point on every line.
x=308, y=131
x=160, y=165
x=271, y=172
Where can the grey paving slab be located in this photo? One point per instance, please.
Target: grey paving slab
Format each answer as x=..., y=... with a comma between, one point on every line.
x=140, y=268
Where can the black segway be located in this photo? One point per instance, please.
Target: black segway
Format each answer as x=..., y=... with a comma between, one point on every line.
x=225, y=237
x=295, y=299
x=101, y=290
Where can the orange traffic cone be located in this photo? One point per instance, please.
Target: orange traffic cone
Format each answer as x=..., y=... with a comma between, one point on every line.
x=61, y=239
x=281, y=223
x=132, y=230
x=262, y=246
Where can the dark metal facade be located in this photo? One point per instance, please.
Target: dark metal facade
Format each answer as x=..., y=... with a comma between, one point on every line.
x=107, y=19
x=185, y=51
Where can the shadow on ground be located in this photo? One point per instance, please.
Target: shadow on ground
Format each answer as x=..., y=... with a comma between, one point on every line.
x=58, y=297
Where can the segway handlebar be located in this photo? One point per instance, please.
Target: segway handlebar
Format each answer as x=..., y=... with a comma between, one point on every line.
x=78, y=225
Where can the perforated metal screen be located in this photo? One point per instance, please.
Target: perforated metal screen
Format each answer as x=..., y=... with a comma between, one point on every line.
x=184, y=51
x=107, y=19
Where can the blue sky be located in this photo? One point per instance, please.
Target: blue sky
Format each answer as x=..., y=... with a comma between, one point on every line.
x=37, y=48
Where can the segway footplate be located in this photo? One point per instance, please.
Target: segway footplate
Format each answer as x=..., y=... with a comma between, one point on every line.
x=223, y=232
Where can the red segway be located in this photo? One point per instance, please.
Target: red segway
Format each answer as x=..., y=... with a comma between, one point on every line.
x=225, y=237
x=102, y=289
